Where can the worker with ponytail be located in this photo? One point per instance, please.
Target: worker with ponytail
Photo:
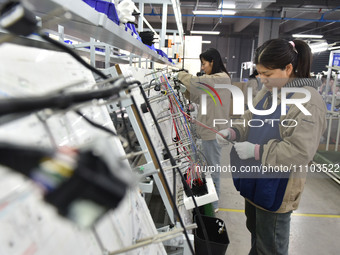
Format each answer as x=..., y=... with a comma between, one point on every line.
x=279, y=147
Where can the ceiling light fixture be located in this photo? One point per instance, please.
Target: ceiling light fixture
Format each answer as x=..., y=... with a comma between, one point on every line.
x=205, y=32
x=206, y=42
x=307, y=36
x=217, y=12
x=257, y=5
x=334, y=48
x=318, y=47
x=178, y=18
x=227, y=5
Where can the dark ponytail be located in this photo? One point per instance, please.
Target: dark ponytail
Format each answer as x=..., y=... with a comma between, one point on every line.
x=304, y=62
x=278, y=53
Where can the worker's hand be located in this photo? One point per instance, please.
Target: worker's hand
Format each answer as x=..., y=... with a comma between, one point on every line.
x=223, y=140
x=245, y=150
x=182, y=88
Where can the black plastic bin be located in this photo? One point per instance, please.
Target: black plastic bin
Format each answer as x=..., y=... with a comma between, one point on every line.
x=217, y=235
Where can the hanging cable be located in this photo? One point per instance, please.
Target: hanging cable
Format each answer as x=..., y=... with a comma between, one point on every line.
x=167, y=187
x=58, y=101
x=73, y=54
x=96, y=125
x=173, y=163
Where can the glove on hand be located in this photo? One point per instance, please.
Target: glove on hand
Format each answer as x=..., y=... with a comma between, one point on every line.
x=245, y=150
x=223, y=141
x=182, y=88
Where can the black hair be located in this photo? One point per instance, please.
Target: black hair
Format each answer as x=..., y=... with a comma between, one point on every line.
x=278, y=53
x=254, y=74
x=211, y=55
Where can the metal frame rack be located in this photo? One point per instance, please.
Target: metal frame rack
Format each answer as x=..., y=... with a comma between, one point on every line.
x=328, y=156
x=89, y=26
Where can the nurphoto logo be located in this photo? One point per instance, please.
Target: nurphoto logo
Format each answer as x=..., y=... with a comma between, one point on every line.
x=238, y=100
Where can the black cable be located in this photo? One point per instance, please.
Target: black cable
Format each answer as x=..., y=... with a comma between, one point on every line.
x=126, y=128
x=98, y=72
x=174, y=188
x=150, y=84
x=58, y=101
x=167, y=187
x=96, y=125
x=173, y=163
x=73, y=54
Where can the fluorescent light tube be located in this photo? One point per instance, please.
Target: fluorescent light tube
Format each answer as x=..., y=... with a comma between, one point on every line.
x=331, y=48
x=205, y=32
x=318, y=47
x=206, y=42
x=227, y=5
x=307, y=36
x=217, y=12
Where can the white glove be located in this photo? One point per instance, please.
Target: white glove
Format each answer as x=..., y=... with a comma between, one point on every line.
x=245, y=150
x=182, y=88
x=125, y=9
x=223, y=141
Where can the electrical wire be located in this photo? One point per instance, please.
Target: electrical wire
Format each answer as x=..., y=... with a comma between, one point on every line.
x=96, y=125
x=58, y=101
x=98, y=72
x=181, y=109
x=167, y=187
x=73, y=54
x=207, y=127
x=173, y=163
x=125, y=127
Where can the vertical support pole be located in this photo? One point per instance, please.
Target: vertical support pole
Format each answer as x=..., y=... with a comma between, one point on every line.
x=164, y=21
x=130, y=59
x=186, y=250
x=251, y=70
x=269, y=29
x=107, y=56
x=141, y=16
x=92, y=52
x=337, y=134
x=61, y=33
x=329, y=74
x=174, y=45
x=140, y=62
x=241, y=74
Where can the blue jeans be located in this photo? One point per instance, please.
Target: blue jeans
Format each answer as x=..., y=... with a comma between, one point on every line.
x=269, y=231
x=212, y=152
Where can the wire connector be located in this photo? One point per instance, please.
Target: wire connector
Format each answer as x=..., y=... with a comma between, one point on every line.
x=17, y=19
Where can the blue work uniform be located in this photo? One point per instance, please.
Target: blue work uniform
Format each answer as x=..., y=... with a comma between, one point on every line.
x=264, y=189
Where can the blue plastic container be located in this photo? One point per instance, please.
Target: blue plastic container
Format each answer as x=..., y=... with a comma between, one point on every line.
x=152, y=47
x=97, y=49
x=128, y=28
x=133, y=28
x=102, y=7
x=108, y=9
x=162, y=53
x=112, y=14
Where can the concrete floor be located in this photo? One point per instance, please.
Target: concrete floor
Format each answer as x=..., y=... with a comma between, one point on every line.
x=315, y=226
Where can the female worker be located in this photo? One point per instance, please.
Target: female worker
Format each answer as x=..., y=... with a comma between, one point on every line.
x=217, y=106
x=276, y=142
